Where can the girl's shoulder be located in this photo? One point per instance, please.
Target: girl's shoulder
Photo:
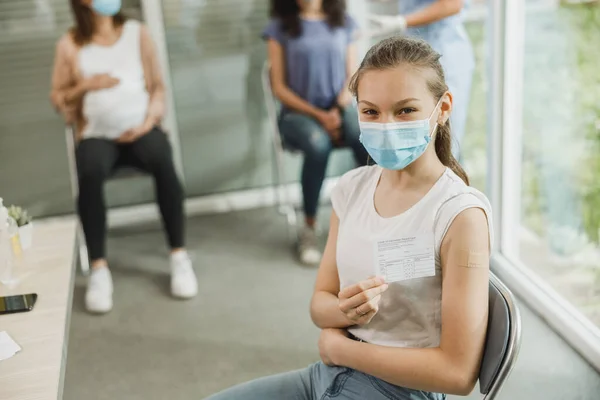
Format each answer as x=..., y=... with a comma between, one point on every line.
x=352, y=187
x=456, y=197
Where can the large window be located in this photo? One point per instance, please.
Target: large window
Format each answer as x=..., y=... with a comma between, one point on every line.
x=474, y=148
x=560, y=209
x=545, y=159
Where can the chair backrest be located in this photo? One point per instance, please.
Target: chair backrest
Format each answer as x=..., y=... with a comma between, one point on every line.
x=272, y=106
x=503, y=339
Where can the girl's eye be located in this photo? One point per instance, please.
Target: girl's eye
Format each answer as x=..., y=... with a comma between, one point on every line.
x=370, y=112
x=407, y=110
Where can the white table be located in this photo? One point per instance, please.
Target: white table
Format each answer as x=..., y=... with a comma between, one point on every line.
x=37, y=372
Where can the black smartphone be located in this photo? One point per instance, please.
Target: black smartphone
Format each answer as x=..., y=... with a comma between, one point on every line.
x=18, y=303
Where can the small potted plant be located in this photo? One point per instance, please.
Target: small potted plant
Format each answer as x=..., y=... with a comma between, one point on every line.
x=25, y=225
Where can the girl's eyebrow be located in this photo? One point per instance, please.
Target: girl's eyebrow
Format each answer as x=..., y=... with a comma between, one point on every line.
x=403, y=102
x=397, y=104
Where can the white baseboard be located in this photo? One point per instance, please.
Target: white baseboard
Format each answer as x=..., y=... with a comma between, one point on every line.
x=213, y=204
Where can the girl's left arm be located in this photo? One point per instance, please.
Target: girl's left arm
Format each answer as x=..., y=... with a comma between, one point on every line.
x=453, y=367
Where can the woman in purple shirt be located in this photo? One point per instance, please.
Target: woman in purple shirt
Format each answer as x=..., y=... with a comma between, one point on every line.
x=312, y=54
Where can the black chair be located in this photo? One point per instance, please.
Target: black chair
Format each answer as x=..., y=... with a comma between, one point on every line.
x=503, y=339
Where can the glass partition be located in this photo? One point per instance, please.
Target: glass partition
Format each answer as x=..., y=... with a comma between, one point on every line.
x=216, y=55
x=33, y=160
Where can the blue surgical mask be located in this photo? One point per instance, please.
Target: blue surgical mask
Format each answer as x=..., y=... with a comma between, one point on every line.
x=107, y=8
x=397, y=144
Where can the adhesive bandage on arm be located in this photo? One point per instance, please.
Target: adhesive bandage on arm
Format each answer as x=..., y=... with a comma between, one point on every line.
x=468, y=258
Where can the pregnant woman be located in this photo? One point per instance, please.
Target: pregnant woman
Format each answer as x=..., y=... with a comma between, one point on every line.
x=107, y=83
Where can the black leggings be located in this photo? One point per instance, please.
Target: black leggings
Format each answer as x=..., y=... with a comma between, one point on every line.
x=98, y=159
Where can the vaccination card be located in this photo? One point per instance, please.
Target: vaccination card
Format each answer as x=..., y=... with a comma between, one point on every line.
x=405, y=258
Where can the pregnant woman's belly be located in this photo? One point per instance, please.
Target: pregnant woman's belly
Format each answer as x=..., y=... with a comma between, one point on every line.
x=111, y=112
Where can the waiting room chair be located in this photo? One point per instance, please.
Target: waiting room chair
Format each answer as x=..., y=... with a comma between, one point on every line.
x=121, y=172
x=503, y=339
x=284, y=202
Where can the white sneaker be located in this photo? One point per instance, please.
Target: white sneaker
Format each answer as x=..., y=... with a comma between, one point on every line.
x=98, y=297
x=183, y=279
x=308, y=250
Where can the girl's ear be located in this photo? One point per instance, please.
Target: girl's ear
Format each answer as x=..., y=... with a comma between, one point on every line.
x=445, y=108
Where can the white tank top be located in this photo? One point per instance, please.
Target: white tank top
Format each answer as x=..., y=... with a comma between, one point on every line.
x=409, y=311
x=110, y=112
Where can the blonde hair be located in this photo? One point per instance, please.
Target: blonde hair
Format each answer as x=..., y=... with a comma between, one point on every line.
x=394, y=51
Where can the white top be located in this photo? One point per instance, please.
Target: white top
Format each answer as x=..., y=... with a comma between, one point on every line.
x=410, y=310
x=110, y=112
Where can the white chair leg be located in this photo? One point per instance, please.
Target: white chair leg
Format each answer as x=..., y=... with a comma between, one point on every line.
x=277, y=171
x=83, y=253
x=285, y=204
x=292, y=221
x=283, y=199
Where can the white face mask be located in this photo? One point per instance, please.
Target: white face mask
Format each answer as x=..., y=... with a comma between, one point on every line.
x=396, y=145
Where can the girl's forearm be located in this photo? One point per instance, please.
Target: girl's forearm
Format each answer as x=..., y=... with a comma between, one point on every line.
x=428, y=369
x=325, y=311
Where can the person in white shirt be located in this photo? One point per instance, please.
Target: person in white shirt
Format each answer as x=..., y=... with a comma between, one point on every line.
x=107, y=82
x=402, y=290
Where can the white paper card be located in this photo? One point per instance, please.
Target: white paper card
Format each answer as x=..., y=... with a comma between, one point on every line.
x=8, y=347
x=406, y=258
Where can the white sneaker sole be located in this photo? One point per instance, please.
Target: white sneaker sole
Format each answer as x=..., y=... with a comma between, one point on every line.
x=184, y=295
x=99, y=310
x=310, y=260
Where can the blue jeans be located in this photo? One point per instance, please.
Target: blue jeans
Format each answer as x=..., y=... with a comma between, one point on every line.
x=303, y=133
x=320, y=382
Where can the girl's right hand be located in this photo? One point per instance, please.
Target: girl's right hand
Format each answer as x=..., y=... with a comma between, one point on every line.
x=100, y=81
x=360, y=302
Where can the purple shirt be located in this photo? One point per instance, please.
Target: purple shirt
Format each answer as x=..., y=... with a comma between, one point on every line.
x=315, y=61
